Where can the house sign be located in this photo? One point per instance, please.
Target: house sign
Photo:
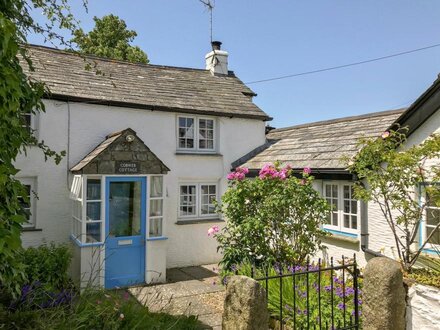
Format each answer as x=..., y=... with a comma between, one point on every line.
x=126, y=167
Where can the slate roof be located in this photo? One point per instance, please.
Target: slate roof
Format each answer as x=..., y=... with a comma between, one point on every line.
x=319, y=145
x=143, y=86
x=97, y=151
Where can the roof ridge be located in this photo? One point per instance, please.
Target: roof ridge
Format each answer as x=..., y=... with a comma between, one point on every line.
x=342, y=119
x=106, y=59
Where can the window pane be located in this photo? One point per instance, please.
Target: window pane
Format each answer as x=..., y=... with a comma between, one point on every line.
x=435, y=239
x=93, y=211
x=156, y=186
x=156, y=207
x=346, y=206
x=334, y=191
x=328, y=190
x=155, y=227
x=187, y=200
x=335, y=219
x=93, y=232
x=354, y=207
x=347, y=192
x=206, y=134
x=346, y=221
x=125, y=208
x=93, y=189
x=432, y=216
x=354, y=222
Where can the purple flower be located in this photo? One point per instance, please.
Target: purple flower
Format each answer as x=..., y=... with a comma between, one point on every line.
x=307, y=170
x=328, y=288
x=341, y=306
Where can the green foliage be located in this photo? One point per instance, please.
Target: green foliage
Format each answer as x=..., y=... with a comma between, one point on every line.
x=48, y=264
x=20, y=95
x=329, y=287
x=273, y=218
x=110, y=38
x=389, y=173
x=96, y=310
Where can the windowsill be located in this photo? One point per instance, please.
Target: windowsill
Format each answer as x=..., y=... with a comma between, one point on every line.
x=77, y=242
x=159, y=238
x=31, y=229
x=342, y=236
x=198, y=153
x=197, y=221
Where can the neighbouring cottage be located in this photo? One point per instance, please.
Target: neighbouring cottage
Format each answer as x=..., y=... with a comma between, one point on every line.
x=147, y=148
x=356, y=227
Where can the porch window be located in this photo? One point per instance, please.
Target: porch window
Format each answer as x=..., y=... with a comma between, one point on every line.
x=196, y=200
x=345, y=214
x=196, y=134
x=156, y=206
x=87, y=222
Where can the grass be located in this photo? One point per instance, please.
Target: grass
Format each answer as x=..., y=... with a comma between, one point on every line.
x=95, y=310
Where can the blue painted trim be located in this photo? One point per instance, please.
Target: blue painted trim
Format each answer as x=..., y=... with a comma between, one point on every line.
x=430, y=251
x=160, y=238
x=77, y=242
x=337, y=232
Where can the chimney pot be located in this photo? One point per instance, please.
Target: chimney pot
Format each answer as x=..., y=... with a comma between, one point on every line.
x=216, y=45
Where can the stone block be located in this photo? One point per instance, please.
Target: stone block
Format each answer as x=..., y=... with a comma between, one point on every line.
x=245, y=306
x=384, y=295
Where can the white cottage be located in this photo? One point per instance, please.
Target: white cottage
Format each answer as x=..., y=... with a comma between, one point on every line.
x=356, y=227
x=147, y=148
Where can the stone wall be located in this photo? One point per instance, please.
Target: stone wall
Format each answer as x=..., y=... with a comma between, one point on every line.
x=423, y=308
x=245, y=305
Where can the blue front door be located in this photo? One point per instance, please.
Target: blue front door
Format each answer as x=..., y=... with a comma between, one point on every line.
x=125, y=230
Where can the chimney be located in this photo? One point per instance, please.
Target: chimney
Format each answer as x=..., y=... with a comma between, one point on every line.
x=217, y=59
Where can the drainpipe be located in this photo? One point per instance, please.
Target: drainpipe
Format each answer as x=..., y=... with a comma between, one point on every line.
x=364, y=231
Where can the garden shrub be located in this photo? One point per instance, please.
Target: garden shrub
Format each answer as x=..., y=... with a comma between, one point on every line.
x=48, y=265
x=275, y=217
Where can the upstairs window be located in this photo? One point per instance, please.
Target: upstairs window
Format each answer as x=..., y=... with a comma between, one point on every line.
x=345, y=213
x=196, y=134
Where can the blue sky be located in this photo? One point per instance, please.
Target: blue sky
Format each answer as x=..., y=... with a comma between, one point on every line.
x=273, y=38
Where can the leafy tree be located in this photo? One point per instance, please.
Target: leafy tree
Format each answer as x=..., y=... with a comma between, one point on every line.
x=390, y=174
x=19, y=95
x=273, y=218
x=110, y=38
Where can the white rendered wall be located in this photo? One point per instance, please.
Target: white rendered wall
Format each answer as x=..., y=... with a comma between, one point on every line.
x=423, y=306
x=89, y=125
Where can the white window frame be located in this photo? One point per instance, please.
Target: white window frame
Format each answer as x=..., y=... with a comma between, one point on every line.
x=423, y=223
x=340, y=211
x=196, y=148
x=151, y=198
x=32, y=182
x=198, y=204
x=33, y=123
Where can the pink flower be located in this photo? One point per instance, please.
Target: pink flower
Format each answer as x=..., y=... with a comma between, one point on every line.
x=231, y=176
x=307, y=170
x=302, y=182
x=213, y=230
x=268, y=170
x=243, y=170
x=385, y=134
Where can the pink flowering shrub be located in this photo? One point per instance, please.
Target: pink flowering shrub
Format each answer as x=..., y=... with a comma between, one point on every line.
x=273, y=217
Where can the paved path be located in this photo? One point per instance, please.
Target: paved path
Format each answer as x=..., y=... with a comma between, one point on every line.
x=188, y=291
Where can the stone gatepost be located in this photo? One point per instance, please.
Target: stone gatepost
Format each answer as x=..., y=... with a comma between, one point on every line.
x=384, y=296
x=245, y=305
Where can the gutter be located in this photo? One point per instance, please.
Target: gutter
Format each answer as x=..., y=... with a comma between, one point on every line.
x=364, y=232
